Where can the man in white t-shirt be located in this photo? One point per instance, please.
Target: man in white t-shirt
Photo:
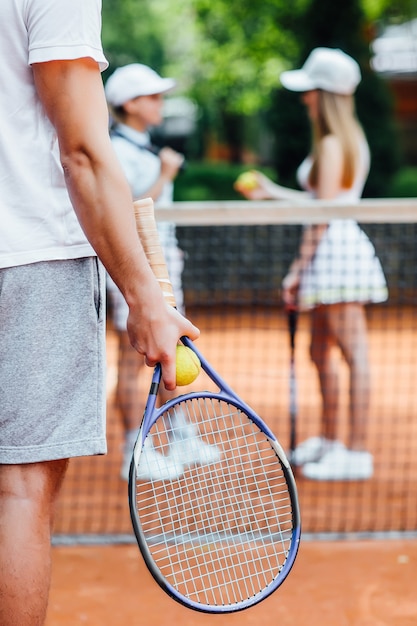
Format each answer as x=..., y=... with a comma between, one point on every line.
x=63, y=199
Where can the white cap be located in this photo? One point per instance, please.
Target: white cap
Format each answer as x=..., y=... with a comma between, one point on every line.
x=326, y=68
x=135, y=80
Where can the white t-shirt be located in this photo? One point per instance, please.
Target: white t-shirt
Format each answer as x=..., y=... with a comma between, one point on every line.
x=38, y=222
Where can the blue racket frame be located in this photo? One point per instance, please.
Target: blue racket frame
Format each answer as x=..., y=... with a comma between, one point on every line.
x=151, y=415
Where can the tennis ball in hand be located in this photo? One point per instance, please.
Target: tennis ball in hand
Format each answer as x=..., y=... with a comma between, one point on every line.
x=247, y=181
x=188, y=365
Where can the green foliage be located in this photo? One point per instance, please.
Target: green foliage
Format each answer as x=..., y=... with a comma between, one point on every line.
x=290, y=126
x=336, y=25
x=131, y=34
x=404, y=184
x=386, y=9
x=228, y=56
x=375, y=111
x=240, y=51
x=209, y=181
x=331, y=24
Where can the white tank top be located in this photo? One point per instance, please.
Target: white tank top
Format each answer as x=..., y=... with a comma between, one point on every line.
x=347, y=195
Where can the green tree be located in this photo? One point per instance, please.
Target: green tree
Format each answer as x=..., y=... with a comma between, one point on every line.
x=131, y=34
x=228, y=56
x=239, y=51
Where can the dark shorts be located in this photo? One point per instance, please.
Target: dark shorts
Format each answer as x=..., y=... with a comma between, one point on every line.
x=52, y=361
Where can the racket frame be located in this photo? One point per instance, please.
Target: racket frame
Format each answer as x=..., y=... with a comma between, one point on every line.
x=151, y=415
x=292, y=317
x=146, y=224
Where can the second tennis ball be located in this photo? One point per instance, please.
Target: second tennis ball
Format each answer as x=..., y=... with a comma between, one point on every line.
x=188, y=365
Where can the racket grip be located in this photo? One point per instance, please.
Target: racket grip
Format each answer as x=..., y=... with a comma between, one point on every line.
x=292, y=315
x=149, y=237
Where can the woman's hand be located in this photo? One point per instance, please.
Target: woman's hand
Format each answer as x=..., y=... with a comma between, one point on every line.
x=290, y=286
x=171, y=162
x=254, y=186
x=261, y=187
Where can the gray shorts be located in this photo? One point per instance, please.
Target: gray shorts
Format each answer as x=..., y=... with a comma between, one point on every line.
x=52, y=361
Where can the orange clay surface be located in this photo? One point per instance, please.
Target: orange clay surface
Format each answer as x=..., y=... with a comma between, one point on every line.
x=359, y=583
x=252, y=353
x=369, y=583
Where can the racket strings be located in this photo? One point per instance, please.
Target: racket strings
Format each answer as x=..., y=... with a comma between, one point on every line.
x=221, y=532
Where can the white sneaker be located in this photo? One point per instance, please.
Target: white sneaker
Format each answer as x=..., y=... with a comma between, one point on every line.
x=312, y=449
x=194, y=451
x=187, y=447
x=341, y=464
x=130, y=440
x=125, y=469
x=156, y=466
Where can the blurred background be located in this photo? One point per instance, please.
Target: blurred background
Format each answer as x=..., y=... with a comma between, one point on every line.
x=229, y=113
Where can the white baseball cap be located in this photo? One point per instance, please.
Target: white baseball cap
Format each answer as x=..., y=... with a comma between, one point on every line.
x=326, y=68
x=131, y=81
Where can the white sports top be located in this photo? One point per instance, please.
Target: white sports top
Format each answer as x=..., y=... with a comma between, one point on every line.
x=347, y=195
x=38, y=222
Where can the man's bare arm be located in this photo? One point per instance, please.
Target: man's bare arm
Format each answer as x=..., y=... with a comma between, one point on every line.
x=73, y=96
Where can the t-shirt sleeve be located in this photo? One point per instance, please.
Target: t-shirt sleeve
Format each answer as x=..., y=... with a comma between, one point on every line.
x=64, y=30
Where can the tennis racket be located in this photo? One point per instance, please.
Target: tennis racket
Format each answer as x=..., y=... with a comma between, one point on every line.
x=292, y=317
x=221, y=535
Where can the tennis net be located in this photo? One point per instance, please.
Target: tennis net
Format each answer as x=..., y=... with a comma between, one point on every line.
x=236, y=255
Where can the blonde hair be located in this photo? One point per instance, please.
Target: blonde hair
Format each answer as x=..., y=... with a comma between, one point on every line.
x=337, y=117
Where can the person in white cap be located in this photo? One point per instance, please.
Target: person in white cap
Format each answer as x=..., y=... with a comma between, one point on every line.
x=336, y=270
x=135, y=96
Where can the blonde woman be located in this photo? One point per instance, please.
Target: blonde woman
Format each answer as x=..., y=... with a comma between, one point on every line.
x=336, y=270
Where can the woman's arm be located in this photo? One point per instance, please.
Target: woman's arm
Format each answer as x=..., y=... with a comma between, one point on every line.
x=310, y=240
x=266, y=189
x=330, y=168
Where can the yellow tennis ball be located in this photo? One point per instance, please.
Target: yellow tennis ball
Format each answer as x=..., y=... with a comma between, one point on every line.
x=188, y=365
x=247, y=180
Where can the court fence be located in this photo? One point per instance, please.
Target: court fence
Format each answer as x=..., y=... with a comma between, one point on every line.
x=236, y=255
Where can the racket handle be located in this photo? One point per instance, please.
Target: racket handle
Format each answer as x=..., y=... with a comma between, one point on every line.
x=292, y=316
x=149, y=236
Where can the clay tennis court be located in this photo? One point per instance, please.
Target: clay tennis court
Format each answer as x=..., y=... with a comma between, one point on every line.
x=337, y=582
x=369, y=583
x=252, y=353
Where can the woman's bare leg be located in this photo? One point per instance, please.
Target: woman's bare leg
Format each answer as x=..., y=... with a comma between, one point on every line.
x=322, y=355
x=348, y=325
